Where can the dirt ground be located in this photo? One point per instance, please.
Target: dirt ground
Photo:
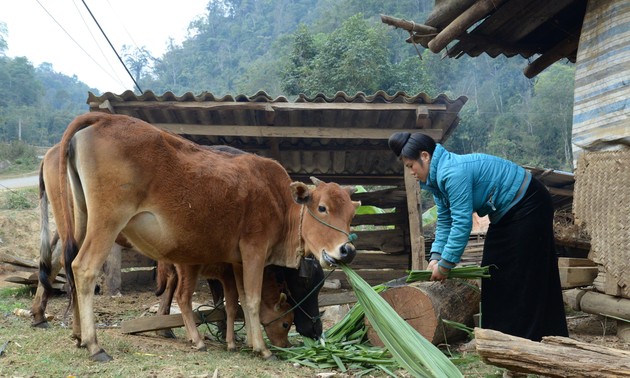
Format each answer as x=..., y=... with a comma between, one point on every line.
x=19, y=236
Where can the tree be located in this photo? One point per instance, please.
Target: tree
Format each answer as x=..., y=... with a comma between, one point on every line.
x=551, y=115
x=138, y=60
x=3, y=38
x=300, y=62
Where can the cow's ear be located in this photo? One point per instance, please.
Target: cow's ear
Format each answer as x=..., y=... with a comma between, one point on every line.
x=316, y=181
x=301, y=193
x=350, y=189
x=356, y=204
x=281, y=301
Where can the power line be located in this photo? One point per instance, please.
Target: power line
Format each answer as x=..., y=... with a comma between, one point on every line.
x=77, y=43
x=98, y=45
x=113, y=48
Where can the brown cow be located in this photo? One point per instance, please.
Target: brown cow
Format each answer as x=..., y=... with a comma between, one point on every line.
x=177, y=202
x=275, y=313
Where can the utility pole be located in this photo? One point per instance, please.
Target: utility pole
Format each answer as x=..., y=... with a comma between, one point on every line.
x=20, y=129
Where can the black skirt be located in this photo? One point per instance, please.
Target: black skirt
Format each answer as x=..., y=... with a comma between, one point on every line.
x=523, y=296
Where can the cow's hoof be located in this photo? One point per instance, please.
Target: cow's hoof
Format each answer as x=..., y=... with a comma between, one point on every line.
x=231, y=348
x=166, y=333
x=42, y=324
x=101, y=356
x=200, y=348
x=77, y=341
x=268, y=356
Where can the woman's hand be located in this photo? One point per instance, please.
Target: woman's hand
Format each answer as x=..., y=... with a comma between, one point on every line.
x=439, y=273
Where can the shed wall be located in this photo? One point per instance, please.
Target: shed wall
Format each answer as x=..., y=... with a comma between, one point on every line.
x=601, y=114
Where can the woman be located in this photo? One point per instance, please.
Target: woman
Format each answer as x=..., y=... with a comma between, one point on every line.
x=523, y=295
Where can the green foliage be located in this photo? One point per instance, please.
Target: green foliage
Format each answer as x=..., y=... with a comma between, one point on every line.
x=367, y=209
x=21, y=157
x=3, y=38
x=21, y=199
x=290, y=47
x=429, y=217
x=17, y=151
x=36, y=104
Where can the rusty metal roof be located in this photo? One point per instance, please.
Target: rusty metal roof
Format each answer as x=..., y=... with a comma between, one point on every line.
x=559, y=183
x=342, y=138
x=547, y=30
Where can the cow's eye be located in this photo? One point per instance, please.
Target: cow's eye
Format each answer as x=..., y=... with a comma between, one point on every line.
x=321, y=209
x=285, y=325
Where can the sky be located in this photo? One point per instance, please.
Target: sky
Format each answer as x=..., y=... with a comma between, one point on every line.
x=63, y=33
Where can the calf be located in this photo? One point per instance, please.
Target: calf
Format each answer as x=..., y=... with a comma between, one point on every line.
x=275, y=313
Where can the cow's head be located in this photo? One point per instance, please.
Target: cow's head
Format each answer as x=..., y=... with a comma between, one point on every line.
x=325, y=220
x=303, y=289
x=276, y=317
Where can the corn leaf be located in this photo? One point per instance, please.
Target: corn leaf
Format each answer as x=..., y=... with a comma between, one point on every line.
x=410, y=349
x=465, y=272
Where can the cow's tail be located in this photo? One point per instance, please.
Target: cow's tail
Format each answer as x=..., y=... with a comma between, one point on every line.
x=66, y=170
x=45, y=249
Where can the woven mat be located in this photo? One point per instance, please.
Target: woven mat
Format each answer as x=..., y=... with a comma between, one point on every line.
x=601, y=204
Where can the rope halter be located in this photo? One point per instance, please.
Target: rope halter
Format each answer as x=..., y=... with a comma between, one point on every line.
x=351, y=236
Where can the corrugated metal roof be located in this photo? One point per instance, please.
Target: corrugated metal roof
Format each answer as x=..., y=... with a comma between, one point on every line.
x=341, y=138
x=550, y=29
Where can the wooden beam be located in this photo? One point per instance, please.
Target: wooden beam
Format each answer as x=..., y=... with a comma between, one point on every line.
x=414, y=207
x=597, y=303
x=577, y=276
x=386, y=219
x=555, y=356
x=270, y=114
x=331, y=299
x=574, y=261
x=464, y=21
x=157, y=322
x=107, y=105
x=560, y=191
x=423, y=121
x=408, y=25
x=559, y=51
x=291, y=132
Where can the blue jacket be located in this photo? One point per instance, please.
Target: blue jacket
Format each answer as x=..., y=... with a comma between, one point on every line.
x=463, y=184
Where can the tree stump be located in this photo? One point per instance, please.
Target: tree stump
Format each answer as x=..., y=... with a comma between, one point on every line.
x=424, y=304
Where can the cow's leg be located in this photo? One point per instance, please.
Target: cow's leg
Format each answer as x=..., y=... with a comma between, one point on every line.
x=86, y=267
x=166, y=299
x=252, y=283
x=238, y=276
x=40, y=302
x=231, y=307
x=188, y=275
x=216, y=288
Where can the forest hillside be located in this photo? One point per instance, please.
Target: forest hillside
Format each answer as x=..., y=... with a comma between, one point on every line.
x=288, y=47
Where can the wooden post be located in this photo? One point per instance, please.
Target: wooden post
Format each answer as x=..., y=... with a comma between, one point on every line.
x=111, y=272
x=416, y=236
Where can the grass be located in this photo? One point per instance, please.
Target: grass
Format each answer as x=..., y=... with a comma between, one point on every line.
x=19, y=199
x=51, y=352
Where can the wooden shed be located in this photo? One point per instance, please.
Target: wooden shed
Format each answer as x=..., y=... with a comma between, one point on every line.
x=342, y=138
